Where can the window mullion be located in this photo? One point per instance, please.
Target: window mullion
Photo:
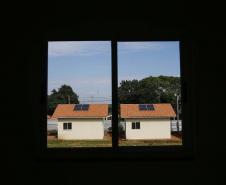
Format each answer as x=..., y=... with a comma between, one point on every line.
x=114, y=94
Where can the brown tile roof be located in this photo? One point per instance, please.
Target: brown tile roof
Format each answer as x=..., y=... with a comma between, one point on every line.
x=161, y=110
x=95, y=110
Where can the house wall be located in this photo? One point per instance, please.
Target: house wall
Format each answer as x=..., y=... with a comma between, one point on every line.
x=82, y=128
x=150, y=128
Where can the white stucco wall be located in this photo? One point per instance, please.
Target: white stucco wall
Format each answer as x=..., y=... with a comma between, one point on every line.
x=150, y=128
x=82, y=128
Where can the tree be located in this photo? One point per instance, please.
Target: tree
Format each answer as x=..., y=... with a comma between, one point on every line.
x=64, y=95
x=172, y=89
x=161, y=89
x=127, y=92
x=151, y=90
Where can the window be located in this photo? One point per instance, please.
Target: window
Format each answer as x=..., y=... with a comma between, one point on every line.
x=79, y=91
x=135, y=125
x=149, y=90
x=67, y=126
x=115, y=151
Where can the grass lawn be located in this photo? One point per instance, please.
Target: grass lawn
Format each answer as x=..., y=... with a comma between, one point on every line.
x=149, y=143
x=79, y=143
x=55, y=143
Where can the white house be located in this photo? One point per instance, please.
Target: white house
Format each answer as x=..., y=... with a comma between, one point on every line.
x=147, y=121
x=81, y=121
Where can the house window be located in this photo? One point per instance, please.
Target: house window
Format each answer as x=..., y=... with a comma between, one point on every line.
x=67, y=126
x=135, y=125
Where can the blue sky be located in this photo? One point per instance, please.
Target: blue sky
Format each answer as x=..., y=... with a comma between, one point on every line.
x=86, y=66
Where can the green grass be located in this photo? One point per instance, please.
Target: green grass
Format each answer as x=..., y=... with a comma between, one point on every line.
x=89, y=143
x=79, y=143
x=149, y=143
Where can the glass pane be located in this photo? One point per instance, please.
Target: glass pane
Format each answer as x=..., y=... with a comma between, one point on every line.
x=133, y=125
x=65, y=126
x=149, y=93
x=79, y=93
x=69, y=126
x=137, y=125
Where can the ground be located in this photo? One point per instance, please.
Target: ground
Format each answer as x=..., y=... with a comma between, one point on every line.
x=52, y=141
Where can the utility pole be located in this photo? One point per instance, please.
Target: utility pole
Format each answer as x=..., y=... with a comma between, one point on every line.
x=177, y=113
x=68, y=99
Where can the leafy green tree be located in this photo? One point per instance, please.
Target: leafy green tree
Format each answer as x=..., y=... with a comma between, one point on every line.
x=128, y=91
x=151, y=90
x=171, y=89
x=64, y=95
x=161, y=89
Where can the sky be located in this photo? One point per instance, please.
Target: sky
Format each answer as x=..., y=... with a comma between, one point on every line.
x=86, y=65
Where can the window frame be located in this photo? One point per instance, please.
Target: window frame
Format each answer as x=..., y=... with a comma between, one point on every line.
x=67, y=129
x=135, y=126
x=186, y=151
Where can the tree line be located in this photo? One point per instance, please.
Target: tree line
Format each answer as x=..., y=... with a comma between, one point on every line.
x=161, y=89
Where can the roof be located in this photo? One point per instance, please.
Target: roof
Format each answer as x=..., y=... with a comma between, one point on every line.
x=161, y=110
x=95, y=110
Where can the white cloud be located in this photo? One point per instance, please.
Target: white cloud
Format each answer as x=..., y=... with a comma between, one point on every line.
x=128, y=47
x=66, y=48
x=142, y=45
x=81, y=85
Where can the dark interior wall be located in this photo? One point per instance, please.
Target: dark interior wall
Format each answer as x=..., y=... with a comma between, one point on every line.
x=21, y=92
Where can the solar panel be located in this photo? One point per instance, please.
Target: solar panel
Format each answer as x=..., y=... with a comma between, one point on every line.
x=79, y=107
x=146, y=107
x=142, y=107
x=85, y=108
x=150, y=107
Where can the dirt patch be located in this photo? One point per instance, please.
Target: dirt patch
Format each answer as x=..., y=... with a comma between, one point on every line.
x=107, y=138
x=176, y=135
x=49, y=138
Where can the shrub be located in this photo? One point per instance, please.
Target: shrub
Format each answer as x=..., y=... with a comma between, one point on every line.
x=120, y=127
x=52, y=132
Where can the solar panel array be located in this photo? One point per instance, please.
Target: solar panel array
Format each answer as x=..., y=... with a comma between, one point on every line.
x=146, y=107
x=80, y=107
